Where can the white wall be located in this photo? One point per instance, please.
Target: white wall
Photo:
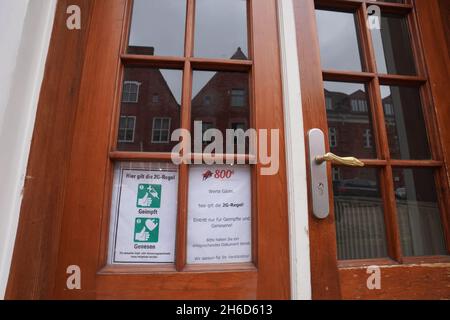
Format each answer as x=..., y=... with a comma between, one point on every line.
x=295, y=155
x=25, y=30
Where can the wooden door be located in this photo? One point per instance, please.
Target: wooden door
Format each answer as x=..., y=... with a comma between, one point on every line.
x=379, y=94
x=140, y=82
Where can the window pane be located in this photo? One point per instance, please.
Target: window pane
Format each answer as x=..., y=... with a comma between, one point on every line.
x=219, y=86
x=157, y=27
x=392, y=46
x=123, y=122
x=358, y=206
x=156, y=136
x=419, y=217
x=130, y=124
x=350, y=118
x=221, y=29
x=219, y=226
x=121, y=135
x=167, y=85
x=238, y=98
x=129, y=135
x=405, y=126
x=143, y=213
x=338, y=38
x=157, y=123
x=165, y=124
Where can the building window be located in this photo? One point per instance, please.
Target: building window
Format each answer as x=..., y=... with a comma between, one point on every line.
x=368, y=139
x=205, y=127
x=238, y=126
x=161, y=130
x=127, y=126
x=130, y=92
x=206, y=100
x=359, y=105
x=329, y=103
x=388, y=109
x=155, y=98
x=238, y=98
x=332, y=134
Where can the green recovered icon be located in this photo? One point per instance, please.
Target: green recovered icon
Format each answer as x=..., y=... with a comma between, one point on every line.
x=146, y=230
x=149, y=196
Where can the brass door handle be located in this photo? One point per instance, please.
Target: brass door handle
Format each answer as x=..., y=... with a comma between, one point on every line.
x=345, y=161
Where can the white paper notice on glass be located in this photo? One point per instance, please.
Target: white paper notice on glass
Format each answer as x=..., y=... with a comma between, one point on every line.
x=144, y=213
x=219, y=215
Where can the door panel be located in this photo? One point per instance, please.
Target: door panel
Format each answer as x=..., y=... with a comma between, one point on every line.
x=120, y=120
x=369, y=91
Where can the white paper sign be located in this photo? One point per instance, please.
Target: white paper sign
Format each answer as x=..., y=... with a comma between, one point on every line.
x=219, y=215
x=144, y=211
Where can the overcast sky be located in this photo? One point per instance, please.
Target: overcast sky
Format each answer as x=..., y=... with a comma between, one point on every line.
x=220, y=29
x=339, y=47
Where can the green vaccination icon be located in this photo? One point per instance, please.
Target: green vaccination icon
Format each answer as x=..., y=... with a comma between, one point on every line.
x=149, y=196
x=146, y=230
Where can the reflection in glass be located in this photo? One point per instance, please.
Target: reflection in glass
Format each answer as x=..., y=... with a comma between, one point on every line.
x=157, y=27
x=338, y=38
x=150, y=109
x=221, y=29
x=405, y=124
x=359, y=214
x=419, y=217
x=392, y=46
x=221, y=101
x=349, y=120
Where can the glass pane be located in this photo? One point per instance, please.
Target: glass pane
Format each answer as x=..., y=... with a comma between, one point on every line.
x=349, y=120
x=338, y=38
x=419, y=217
x=143, y=213
x=219, y=215
x=220, y=111
x=405, y=124
x=221, y=29
x=392, y=46
x=359, y=212
x=167, y=85
x=158, y=27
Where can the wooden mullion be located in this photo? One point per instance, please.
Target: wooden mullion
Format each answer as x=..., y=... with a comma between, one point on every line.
x=401, y=80
x=220, y=64
x=382, y=143
x=141, y=156
x=338, y=4
x=136, y=60
x=393, y=8
x=337, y=75
x=190, y=28
x=416, y=163
x=390, y=215
x=224, y=157
x=183, y=182
x=387, y=7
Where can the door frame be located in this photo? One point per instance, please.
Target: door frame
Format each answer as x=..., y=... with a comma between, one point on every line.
x=53, y=199
x=326, y=276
